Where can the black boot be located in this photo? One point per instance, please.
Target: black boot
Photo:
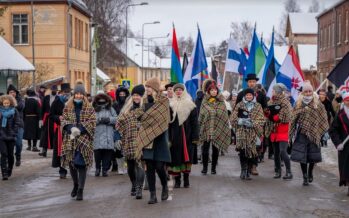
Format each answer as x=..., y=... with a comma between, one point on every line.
x=277, y=174
x=105, y=173
x=213, y=170
x=153, y=199
x=4, y=172
x=204, y=170
x=35, y=149
x=43, y=153
x=248, y=175
x=98, y=172
x=310, y=176
x=74, y=192
x=133, y=189
x=186, y=180
x=139, y=189
x=288, y=175
x=177, y=181
x=18, y=160
x=9, y=172
x=114, y=166
x=80, y=194
x=164, y=193
x=305, y=180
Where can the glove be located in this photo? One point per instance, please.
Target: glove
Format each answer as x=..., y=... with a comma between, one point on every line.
x=117, y=145
x=74, y=132
x=340, y=147
x=41, y=123
x=248, y=123
x=325, y=137
x=241, y=121
x=105, y=120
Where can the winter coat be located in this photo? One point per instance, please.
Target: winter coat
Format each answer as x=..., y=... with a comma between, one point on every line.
x=31, y=115
x=20, y=104
x=339, y=131
x=305, y=151
x=329, y=109
x=9, y=133
x=47, y=131
x=104, y=133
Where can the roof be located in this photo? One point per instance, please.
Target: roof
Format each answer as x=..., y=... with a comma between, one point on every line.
x=302, y=23
x=330, y=8
x=78, y=4
x=307, y=56
x=11, y=59
x=102, y=75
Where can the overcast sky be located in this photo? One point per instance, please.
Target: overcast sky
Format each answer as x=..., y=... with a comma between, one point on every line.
x=213, y=16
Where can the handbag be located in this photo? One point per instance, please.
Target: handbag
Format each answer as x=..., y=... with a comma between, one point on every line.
x=79, y=160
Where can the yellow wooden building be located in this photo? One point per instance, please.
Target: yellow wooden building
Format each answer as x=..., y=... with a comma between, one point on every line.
x=60, y=32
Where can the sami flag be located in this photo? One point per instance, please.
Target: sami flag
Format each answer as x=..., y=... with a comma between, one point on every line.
x=176, y=71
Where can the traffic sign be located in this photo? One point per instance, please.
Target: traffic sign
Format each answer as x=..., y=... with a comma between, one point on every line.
x=126, y=83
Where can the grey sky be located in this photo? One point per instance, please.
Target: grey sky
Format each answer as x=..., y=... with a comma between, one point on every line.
x=214, y=16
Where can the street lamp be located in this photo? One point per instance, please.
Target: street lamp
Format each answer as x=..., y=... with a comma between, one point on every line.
x=131, y=5
x=152, y=38
x=155, y=22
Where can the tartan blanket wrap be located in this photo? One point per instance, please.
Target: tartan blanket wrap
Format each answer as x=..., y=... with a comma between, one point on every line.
x=154, y=122
x=85, y=141
x=128, y=126
x=285, y=114
x=214, y=123
x=310, y=120
x=246, y=138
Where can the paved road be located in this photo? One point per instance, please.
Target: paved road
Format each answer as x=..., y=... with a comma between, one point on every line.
x=36, y=191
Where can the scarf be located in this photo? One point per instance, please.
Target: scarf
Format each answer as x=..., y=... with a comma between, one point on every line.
x=182, y=107
x=307, y=99
x=249, y=104
x=5, y=114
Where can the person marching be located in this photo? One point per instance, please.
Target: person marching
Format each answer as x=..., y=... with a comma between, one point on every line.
x=248, y=121
x=339, y=133
x=279, y=116
x=11, y=90
x=128, y=126
x=55, y=117
x=78, y=122
x=152, y=139
x=46, y=139
x=31, y=116
x=308, y=127
x=183, y=135
x=104, y=133
x=10, y=122
x=214, y=125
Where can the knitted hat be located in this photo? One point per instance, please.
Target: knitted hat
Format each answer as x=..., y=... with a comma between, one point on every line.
x=153, y=83
x=79, y=89
x=139, y=89
x=345, y=96
x=307, y=86
x=248, y=90
x=178, y=85
x=279, y=88
x=234, y=93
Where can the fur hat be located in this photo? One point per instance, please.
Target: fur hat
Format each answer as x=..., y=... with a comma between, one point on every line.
x=248, y=91
x=212, y=85
x=79, y=88
x=139, y=89
x=179, y=85
x=171, y=84
x=307, y=86
x=206, y=84
x=153, y=83
x=279, y=88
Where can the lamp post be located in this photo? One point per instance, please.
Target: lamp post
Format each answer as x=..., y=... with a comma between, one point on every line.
x=152, y=38
x=130, y=5
x=155, y=22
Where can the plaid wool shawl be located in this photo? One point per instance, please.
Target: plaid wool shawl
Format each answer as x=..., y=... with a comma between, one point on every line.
x=128, y=126
x=310, y=120
x=154, y=122
x=246, y=138
x=285, y=114
x=82, y=142
x=214, y=122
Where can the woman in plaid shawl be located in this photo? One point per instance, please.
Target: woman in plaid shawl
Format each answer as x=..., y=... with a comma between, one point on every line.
x=79, y=122
x=308, y=127
x=248, y=121
x=214, y=126
x=128, y=126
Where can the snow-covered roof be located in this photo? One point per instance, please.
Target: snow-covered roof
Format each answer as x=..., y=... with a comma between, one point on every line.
x=11, y=59
x=302, y=23
x=307, y=56
x=102, y=75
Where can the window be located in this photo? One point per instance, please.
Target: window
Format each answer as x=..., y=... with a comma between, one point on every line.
x=86, y=37
x=321, y=40
x=333, y=34
x=329, y=36
x=20, y=29
x=77, y=38
x=81, y=35
x=346, y=26
x=70, y=30
x=339, y=28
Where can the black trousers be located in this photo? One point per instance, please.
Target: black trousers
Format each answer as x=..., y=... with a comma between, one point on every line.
x=7, y=157
x=135, y=172
x=245, y=162
x=34, y=143
x=78, y=175
x=152, y=168
x=103, y=158
x=205, y=154
x=280, y=151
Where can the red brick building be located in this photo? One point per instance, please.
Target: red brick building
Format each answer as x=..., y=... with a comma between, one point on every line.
x=333, y=37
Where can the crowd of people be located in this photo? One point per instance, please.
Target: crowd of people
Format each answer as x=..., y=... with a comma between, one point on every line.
x=152, y=131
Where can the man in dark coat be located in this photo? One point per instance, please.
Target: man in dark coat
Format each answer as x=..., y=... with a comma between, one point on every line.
x=47, y=132
x=41, y=92
x=55, y=116
x=11, y=90
x=330, y=94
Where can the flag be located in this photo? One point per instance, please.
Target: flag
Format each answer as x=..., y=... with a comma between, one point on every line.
x=214, y=73
x=176, y=71
x=185, y=63
x=340, y=73
x=196, y=70
x=236, y=59
x=290, y=74
x=257, y=58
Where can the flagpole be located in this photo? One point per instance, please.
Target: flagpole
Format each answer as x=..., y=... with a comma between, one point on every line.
x=321, y=85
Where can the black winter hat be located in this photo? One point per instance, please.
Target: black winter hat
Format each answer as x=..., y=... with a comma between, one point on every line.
x=248, y=90
x=171, y=84
x=139, y=89
x=251, y=76
x=11, y=88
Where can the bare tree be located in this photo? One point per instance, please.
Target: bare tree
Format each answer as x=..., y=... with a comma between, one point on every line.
x=42, y=72
x=2, y=11
x=242, y=32
x=314, y=7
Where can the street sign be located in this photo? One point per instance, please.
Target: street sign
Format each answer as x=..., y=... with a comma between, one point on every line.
x=126, y=83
